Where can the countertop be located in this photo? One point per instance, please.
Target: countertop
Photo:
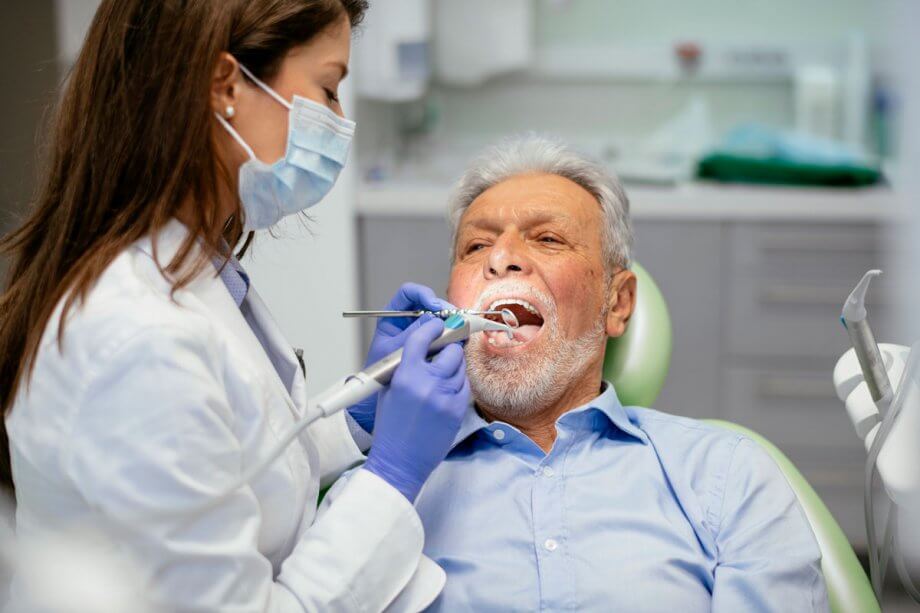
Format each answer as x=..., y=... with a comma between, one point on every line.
x=690, y=201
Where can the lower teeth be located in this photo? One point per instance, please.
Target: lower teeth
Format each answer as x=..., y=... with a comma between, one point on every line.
x=507, y=343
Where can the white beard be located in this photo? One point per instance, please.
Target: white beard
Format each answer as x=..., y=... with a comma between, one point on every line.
x=519, y=386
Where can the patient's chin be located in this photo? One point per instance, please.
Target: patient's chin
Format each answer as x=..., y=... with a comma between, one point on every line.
x=515, y=382
x=522, y=380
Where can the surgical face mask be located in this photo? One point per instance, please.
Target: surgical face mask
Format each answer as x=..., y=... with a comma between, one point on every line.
x=317, y=146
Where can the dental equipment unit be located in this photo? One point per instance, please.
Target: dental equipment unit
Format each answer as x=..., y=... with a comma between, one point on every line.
x=887, y=419
x=354, y=388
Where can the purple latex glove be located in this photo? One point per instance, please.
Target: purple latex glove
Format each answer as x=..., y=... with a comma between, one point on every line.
x=420, y=412
x=390, y=335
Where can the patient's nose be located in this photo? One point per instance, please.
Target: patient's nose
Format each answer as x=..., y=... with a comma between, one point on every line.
x=506, y=258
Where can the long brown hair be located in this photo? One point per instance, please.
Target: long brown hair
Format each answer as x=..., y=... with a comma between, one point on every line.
x=132, y=137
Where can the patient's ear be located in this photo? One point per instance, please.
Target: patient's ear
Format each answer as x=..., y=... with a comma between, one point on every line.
x=621, y=301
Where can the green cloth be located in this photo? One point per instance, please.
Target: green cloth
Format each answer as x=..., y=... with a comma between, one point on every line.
x=736, y=168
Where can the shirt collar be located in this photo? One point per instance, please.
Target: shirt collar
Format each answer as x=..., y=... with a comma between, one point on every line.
x=606, y=404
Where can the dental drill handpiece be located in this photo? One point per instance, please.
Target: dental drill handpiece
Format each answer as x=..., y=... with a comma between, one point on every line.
x=855, y=319
x=457, y=327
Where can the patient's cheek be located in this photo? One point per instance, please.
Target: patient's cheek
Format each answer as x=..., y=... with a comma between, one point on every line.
x=577, y=290
x=461, y=292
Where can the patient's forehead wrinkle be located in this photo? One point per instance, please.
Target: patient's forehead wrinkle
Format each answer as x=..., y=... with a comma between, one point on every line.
x=498, y=220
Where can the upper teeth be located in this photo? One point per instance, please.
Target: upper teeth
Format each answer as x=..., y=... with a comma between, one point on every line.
x=523, y=303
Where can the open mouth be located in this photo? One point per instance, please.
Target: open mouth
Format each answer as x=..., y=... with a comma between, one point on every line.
x=530, y=322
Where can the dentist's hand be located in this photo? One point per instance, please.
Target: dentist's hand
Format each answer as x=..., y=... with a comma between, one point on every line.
x=391, y=334
x=420, y=412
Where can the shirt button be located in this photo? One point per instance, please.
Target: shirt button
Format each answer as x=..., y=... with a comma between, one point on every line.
x=499, y=435
x=550, y=545
x=547, y=471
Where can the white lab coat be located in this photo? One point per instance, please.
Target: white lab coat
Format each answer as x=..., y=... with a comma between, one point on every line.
x=154, y=403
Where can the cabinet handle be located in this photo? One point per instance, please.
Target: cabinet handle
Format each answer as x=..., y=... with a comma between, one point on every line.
x=788, y=388
x=819, y=243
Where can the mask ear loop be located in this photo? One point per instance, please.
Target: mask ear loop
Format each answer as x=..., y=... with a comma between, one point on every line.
x=268, y=90
x=236, y=136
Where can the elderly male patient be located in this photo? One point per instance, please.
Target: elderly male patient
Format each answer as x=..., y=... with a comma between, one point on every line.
x=555, y=496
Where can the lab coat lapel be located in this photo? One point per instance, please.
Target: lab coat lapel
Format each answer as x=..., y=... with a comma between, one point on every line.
x=280, y=351
x=212, y=297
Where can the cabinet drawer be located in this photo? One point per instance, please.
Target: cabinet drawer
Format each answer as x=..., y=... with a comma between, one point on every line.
x=787, y=284
x=797, y=410
x=804, y=251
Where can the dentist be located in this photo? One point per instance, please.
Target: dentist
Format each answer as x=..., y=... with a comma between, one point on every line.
x=139, y=372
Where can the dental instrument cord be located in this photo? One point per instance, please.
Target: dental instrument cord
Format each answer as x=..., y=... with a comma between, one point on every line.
x=903, y=575
x=876, y=573
x=877, y=567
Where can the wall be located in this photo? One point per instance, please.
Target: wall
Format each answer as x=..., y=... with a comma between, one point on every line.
x=29, y=74
x=606, y=115
x=562, y=21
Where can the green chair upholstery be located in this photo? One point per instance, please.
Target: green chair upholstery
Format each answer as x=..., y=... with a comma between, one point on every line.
x=637, y=364
x=848, y=587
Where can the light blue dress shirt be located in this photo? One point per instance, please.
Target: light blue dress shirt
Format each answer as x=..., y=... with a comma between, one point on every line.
x=632, y=510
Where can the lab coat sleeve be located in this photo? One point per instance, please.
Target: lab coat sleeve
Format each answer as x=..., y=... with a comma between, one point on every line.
x=390, y=538
x=155, y=432
x=338, y=450
x=768, y=558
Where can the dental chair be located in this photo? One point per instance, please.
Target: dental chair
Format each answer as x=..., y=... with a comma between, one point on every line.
x=637, y=364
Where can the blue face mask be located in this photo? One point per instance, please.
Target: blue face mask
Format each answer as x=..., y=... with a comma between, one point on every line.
x=317, y=147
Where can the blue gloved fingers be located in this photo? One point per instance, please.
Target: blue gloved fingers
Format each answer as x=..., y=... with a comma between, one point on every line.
x=414, y=296
x=448, y=360
x=419, y=413
x=388, y=338
x=455, y=383
x=465, y=396
x=394, y=326
x=364, y=412
x=415, y=349
x=410, y=297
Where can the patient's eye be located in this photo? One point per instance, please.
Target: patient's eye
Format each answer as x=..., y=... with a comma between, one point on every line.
x=473, y=247
x=549, y=239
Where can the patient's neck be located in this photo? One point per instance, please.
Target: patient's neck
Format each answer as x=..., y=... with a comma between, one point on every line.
x=541, y=426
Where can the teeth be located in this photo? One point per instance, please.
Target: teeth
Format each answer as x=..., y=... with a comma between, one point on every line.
x=505, y=341
x=504, y=301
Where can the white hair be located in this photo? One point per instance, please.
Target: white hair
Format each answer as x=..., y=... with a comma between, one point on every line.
x=532, y=154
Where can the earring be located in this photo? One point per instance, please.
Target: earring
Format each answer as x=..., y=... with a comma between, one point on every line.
x=230, y=112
